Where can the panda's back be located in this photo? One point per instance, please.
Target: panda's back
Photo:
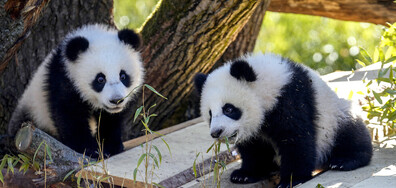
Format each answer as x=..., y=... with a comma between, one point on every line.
x=34, y=100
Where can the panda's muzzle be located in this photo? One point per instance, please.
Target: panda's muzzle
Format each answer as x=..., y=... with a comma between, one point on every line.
x=116, y=101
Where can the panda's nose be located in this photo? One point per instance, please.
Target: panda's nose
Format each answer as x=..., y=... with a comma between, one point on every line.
x=216, y=133
x=116, y=101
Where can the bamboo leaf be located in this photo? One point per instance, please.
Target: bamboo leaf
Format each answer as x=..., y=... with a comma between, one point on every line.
x=141, y=159
x=366, y=56
x=361, y=63
x=38, y=148
x=194, y=165
x=167, y=146
x=9, y=165
x=154, y=158
x=377, y=97
x=48, y=152
x=158, y=185
x=158, y=153
x=68, y=174
x=390, y=60
x=24, y=158
x=155, y=91
x=134, y=175
x=227, y=143
x=137, y=113
x=1, y=177
x=207, y=151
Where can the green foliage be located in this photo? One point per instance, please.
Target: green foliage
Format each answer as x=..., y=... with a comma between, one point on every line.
x=381, y=104
x=132, y=14
x=24, y=161
x=147, y=147
x=321, y=43
x=219, y=165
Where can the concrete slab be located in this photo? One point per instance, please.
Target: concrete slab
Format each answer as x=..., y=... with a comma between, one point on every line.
x=184, y=145
x=380, y=173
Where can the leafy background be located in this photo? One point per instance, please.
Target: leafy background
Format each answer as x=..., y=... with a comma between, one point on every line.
x=324, y=44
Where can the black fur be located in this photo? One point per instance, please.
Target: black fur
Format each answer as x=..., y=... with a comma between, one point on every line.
x=96, y=85
x=231, y=111
x=290, y=128
x=352, y=148
x=127, y=79
x=129, y=37
x=240, y=69
x=199, y=81
x=71, y=114
x=76, y=46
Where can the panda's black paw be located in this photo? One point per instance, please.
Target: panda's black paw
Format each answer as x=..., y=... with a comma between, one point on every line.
x=242, y=177
x=343, y=165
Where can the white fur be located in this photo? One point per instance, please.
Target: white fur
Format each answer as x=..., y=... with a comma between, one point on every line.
x=34, y=99
x=253, y=98
x=329, y=110
x=106, y=54
x=256, y=98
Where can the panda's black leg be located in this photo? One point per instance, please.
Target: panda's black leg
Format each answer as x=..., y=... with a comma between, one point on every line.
x=257, y=162
x=352, y=147
x=297, y=161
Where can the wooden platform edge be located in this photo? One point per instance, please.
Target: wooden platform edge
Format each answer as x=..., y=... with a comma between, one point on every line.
x=139, y=140
x=111, y=180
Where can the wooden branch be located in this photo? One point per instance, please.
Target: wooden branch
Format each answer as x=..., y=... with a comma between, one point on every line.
x=30, y=140
x=372, y=11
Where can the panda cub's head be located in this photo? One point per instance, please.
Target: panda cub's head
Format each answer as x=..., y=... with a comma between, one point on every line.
x=236, y=96
x=104, y=65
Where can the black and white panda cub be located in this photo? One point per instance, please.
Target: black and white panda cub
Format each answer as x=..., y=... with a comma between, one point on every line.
x=90, y=74
x=284, y=118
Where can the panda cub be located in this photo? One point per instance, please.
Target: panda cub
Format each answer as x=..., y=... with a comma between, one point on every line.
x=82, y=88
x=284, y=118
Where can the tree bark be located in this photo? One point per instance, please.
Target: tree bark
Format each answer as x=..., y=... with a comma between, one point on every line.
x=372, y=11
x=58, y=18
x=183, y=38
x=243, y=44
x=34, y=142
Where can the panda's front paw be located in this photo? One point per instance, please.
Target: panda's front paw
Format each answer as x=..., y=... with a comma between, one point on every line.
x=242, y=177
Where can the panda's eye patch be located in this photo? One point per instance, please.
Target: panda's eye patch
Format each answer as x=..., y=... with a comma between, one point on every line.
x=125, y=79
x=231, y=111
x=99, y=82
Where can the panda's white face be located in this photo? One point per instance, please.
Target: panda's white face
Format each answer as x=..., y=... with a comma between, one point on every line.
x=230, y=106
x=107, y=72
x=236, y=96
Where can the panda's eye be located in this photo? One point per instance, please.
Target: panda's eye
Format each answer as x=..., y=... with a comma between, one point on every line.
x=101, y=80
x=122, y=76
x=231, y=111
x=228, y=110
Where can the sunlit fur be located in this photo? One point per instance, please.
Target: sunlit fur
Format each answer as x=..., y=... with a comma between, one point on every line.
x=290, y=119
x=106, y=54
x=255, y=98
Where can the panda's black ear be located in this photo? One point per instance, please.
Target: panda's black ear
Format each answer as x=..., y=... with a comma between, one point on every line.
x=75, y=46
x=129, y=37
x=240, y=69
x=199, y=81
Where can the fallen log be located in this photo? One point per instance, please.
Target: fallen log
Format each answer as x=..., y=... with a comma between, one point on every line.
x=34, y=142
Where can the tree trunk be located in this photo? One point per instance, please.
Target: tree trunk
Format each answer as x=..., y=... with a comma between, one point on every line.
x=244, y=43
x=58, y=18
x=183, y=38
x=373, y=11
